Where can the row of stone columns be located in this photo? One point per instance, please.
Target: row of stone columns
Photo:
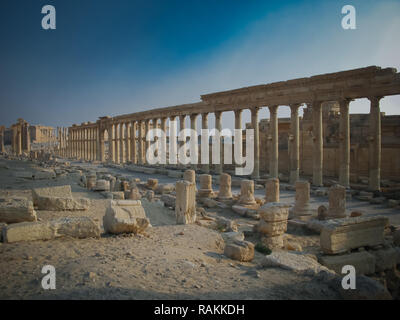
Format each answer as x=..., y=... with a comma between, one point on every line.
x=21, y=141
x=127, y=141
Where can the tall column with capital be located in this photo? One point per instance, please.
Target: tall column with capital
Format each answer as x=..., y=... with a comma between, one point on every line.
x=140, y=142
x=255, y=126
x=204, y=126
x=318, y=144
x=121, y=142
x=133, y=142
x=193, y=137
x=344, y=143
x=2, y=149
x=182, y=141
x=172, y=147
x=218, y=127
x=239, y=136
x=273, y=162
x=111, y=143
x=375, y=144
x=147, y=143
x=294, y=141
x=116, y=143
x=163, y=141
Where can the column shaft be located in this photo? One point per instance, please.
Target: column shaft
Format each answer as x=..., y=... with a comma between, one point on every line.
x=274, y=155
x=255, y=126
x=294, y=149
x=344, y=144
x=375, y=145
x=318, y=144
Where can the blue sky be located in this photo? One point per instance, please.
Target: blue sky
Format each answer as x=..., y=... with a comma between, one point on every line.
x=114, y=57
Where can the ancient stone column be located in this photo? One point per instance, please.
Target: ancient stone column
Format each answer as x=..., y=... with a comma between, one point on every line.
x=164, y=141
x=337, y=202
x=273, y=161
x=238, y=126
x=206, y=190
x=294, y=141
x=318, y=143
x=172, y=143
x=374, y=145
x=2, y=149
x=247, y=194
x=147, y=143
x=128, y=150
x=344, y=143
x=117, y=144
x=111, y=142
x=225, y=182
x=204, y=126
x=100, y=145
x=272, y=190
x=14, y=140
x=273, y=224
x=19, y=142
x=140, y=142
x=302, y=206
x=185, y=208
x=190, y=175
x=121, y=143
x=182, y=143
x=218, y=127
x=194, y=137
x=255, y=126
x=133, y=142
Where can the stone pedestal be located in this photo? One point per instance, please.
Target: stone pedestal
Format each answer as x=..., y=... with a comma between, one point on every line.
x=337, y=202
x=273, y=224
x=272, y=190
x=206, y=190
x=247, y=194
x=189, y=175
x=225, y=182
x=302, y=206
x=185, y=208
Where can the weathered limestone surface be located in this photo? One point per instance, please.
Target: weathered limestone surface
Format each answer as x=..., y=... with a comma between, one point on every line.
x=189, y=175
x=363, y=262
x=102, y=185
x=293, y=261
x=273, y=223
x=58, y=199
x=337, y=202
x=247, y=194
x=165, y=188
x=77, y=227
x=185, y=208
x=239, y=250
x=205, y=186
x=302, y=205
x=152, y=184
x=225, y=192
x=134, y=194
x=16, y=210
x=341, y=235
x=272, y=190
x=169, y=200
x=125, y=216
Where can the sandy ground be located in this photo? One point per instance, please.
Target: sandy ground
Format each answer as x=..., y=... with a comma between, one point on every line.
x=168, y=262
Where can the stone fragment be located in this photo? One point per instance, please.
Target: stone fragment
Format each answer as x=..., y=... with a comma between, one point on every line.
x=190, y=175
x=152, y=184
x=149, y=195
x=102, y=185
x=272, y=190
x=239, y=250
x=77, y=227
x=134, y=194
x=337, y=202
x=341, y=235
x=247, y=195
x=59, y=191
x=226, y=225
x=91, y=181
x=225, y=192
x=16, y=210
x=185, y=208
x=363, y=262
x=125, y=216
x=165, y=188
x=118, y=195
x=302, y=202
x=293, y=261
x=169, y=200
x=206, y=190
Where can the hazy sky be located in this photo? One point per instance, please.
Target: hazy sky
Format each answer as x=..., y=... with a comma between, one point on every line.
x=114, y=57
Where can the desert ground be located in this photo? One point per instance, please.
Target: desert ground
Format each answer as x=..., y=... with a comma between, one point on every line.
x=167, y=261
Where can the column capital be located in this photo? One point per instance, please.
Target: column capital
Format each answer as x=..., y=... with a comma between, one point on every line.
x=193, y=116
x=238, y=111
x=375, y=99
x=273, y=109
